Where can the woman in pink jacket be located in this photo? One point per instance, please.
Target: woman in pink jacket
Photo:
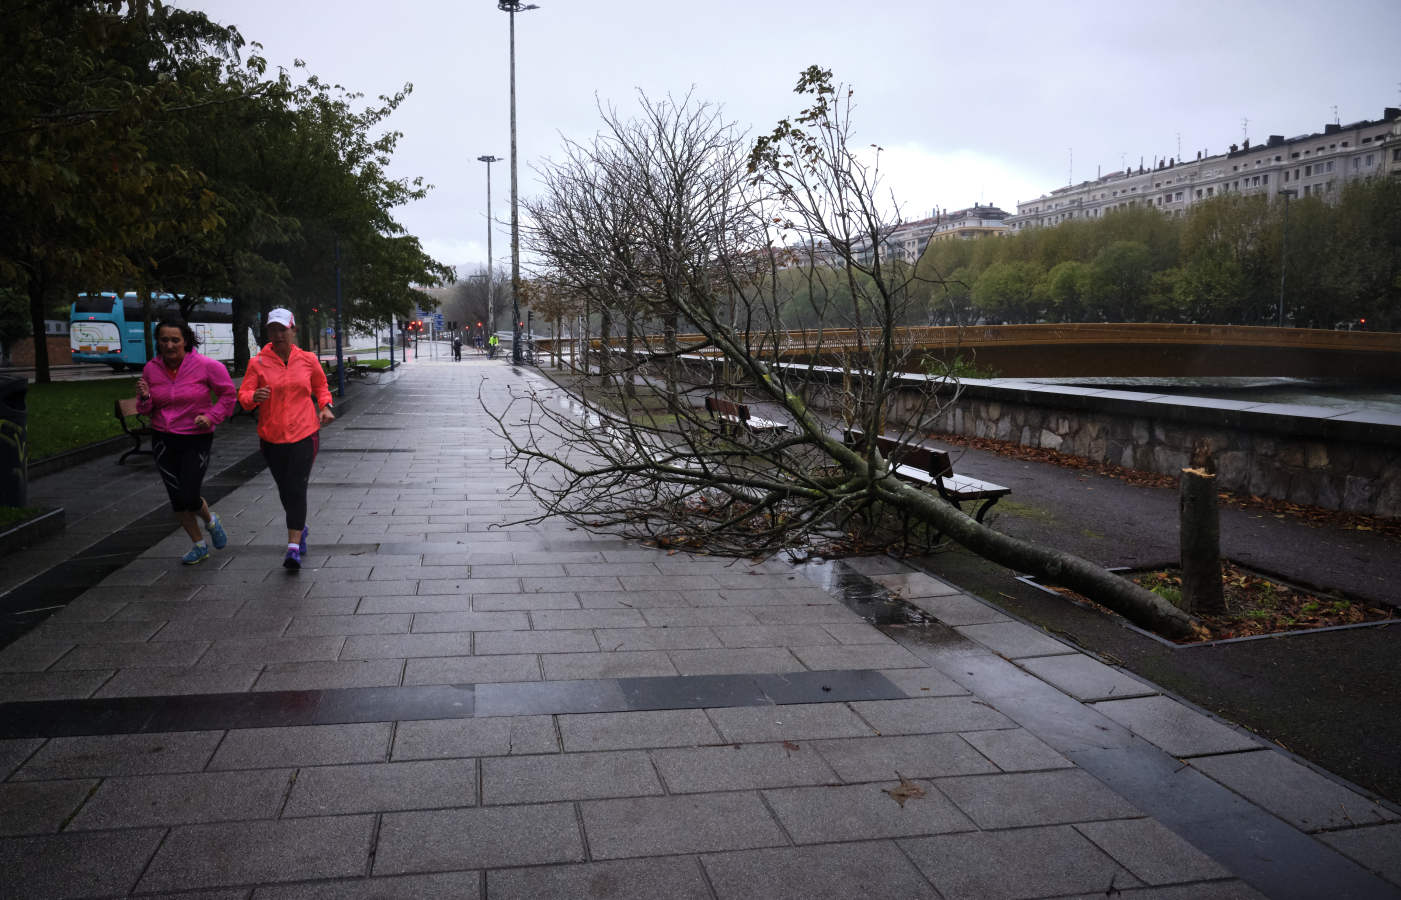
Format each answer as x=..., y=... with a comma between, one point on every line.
x=175, y=390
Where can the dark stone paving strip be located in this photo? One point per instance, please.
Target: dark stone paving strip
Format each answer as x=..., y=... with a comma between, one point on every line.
x=41, y=596
x=366, y=450
x=341, y=706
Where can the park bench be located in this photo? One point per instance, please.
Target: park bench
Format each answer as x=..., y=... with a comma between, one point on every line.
x=134, y=424
x=732, y=415
x=929, y=466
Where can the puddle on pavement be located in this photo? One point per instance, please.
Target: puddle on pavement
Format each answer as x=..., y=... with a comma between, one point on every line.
x=861, y=595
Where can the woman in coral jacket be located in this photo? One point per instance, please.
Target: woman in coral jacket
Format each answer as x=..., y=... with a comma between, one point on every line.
x=288, y=387
x=175, y=390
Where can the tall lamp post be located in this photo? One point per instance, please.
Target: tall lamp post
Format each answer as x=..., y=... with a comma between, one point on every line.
x=490, y=299
x=1286, y=193
x=511, y=7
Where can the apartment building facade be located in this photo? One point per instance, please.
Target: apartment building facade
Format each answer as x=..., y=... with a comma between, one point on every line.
x=1308, y=165
x=908, y=240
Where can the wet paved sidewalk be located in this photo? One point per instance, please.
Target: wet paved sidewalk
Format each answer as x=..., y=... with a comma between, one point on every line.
x=434, y=706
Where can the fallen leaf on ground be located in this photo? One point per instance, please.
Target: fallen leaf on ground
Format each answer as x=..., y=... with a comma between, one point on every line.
x=906, y=790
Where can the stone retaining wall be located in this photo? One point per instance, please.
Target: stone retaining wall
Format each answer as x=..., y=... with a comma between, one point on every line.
x=1288, y=455
x=1331, y=458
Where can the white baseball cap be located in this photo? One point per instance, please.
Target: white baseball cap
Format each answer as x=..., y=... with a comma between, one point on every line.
x=282, y=317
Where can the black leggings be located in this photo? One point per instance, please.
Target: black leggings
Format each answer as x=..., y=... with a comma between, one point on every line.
x=291, y=469
x=182, y=460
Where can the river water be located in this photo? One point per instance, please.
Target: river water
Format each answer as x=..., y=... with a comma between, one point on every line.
x=1333, y=394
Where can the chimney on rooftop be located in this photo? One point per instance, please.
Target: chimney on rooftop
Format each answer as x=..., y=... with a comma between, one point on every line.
x=1332, y=128
x=1390, y=113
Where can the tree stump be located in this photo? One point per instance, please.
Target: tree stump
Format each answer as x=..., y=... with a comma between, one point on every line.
x=1200, y=543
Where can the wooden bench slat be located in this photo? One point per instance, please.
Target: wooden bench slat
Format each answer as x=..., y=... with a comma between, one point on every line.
x=728, y=411
x=927, y=465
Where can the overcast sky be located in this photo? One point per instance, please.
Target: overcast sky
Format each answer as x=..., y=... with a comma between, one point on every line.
x=973, y=102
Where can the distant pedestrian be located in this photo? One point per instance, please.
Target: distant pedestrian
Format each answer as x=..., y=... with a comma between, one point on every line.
x=175, y=390
x=288, y=386
x=457, y=348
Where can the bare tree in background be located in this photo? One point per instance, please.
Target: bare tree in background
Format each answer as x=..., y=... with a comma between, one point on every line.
x=700, y=246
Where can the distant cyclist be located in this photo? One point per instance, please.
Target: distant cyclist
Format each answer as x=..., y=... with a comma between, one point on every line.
x=491, y=344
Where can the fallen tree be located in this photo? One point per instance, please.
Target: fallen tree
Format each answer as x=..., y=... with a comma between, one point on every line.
x=674, y=219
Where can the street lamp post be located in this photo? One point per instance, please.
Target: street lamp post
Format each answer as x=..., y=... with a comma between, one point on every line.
x=490, y=300
x=511, y=7
x=1286, y=193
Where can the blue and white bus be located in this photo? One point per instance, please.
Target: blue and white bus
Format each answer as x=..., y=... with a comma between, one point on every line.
x=107, y=328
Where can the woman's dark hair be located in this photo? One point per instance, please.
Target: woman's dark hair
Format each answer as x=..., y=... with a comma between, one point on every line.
x=191, y=342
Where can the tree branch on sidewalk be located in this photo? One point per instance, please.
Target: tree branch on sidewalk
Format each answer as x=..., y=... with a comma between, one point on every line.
x=675, y=217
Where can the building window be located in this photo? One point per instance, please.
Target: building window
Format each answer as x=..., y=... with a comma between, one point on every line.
x=1265, y=178
x=1199, y=190
x=1330, y=165
x=1286, y=176
x=1344, y=143
x=1294, y=155
x=1210, y=191
x=1368, y=164
x=1308, y=170
x=1396, y=155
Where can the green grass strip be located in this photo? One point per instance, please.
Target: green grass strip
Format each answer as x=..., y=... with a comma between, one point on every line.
x=65, y=415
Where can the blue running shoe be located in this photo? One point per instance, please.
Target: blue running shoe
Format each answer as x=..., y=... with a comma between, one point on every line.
x=216, y=531
x=197, y=554
x=301, y=546
x=293, y=559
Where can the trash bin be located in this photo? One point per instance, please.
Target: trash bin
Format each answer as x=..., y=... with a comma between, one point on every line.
x=14, y=441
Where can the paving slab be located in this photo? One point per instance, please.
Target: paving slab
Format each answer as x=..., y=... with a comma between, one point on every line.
x=1018, y=800
x=829, y=872
x=1085, y=678
x=438, y=886
x=798, y=722
x=382, y=787
x=829, y=813
x=198, y=856
x=40, y=807
x=1174, y=727
x=568, y=776
x=484, y=837
x=302, y=745
x=636, y=730
x=121, y=754
x=1151, y=852
x=75, y=865
x=677, y=878
x=1004, y=865
x=915, y=756
x=681, y=824
x=1377, y=847
x=164, y=800
x=1292, y=791
x=696, y=770
x=461, y=738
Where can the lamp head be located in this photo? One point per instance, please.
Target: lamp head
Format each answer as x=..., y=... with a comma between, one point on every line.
x=488, y=159
x=514, y=6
